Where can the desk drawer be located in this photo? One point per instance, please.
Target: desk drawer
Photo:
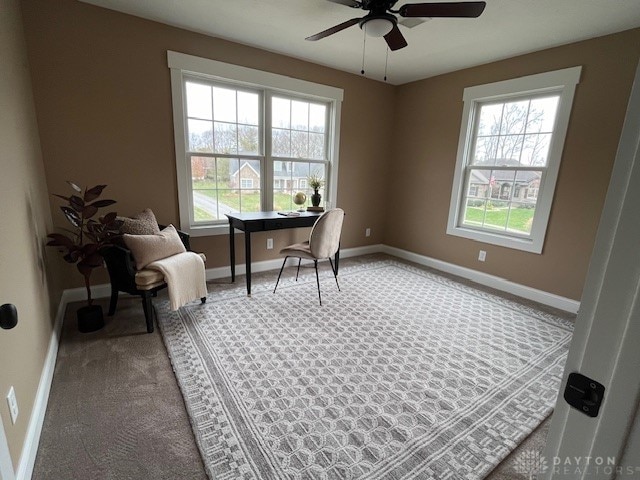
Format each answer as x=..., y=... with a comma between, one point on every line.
x=287, y=222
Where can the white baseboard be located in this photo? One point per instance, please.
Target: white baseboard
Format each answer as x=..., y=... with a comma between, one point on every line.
x=34, y=429
x=540, y=296
x=502, y=284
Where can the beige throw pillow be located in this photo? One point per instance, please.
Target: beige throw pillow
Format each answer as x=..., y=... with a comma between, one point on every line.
x=149, y=248
x=144, y=223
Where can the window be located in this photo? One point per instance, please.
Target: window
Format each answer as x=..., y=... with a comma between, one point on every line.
x=509, y=154
x=247, y=140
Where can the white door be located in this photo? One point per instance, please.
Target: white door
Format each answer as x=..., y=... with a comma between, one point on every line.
x=606, y=342
x=6, y=467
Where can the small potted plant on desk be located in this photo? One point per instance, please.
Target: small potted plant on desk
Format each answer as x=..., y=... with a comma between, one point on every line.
x=81, y=244
x=316, y=182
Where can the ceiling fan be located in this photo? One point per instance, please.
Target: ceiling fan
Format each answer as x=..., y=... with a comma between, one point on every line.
x=381, y=21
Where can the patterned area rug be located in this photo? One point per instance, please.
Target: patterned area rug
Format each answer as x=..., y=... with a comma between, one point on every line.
x=404, y=374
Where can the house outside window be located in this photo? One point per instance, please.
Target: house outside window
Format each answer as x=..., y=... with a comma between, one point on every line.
x=509, y=153
x=247, y=140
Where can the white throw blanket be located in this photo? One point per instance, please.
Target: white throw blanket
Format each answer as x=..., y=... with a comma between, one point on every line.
x=185, y=277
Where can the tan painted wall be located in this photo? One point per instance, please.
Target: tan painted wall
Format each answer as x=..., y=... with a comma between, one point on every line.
x=427, y=124
x=24, y=222
x=103, y=99
x=102, y=89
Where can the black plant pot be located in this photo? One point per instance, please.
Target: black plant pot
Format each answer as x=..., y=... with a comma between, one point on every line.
x=315, y=199
x=90, y=318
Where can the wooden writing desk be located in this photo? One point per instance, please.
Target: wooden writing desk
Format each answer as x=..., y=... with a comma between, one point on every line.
x=262, y=222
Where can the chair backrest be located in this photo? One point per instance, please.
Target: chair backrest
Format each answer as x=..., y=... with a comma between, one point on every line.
x=324, y=240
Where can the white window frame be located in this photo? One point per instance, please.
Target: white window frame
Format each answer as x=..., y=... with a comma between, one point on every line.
x=246, y=183
x=562, y=82
x=183, y=65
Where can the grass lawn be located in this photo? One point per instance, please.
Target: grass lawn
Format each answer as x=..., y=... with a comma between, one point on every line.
x=201, y=215
x=250, y=201
x=520, y=218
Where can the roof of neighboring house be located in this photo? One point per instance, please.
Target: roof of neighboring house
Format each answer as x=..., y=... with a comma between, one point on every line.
x=245, y=164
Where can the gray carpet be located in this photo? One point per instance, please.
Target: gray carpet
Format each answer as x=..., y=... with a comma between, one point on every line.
x=403, y=374
x=116, y=412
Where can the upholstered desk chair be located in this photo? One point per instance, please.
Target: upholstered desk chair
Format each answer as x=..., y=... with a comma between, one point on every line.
x=324, y=242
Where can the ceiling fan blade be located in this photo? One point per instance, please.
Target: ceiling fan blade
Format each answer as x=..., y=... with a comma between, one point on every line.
x=348, y=3
x=395, y=39
x=332, y=30
x=445, y=9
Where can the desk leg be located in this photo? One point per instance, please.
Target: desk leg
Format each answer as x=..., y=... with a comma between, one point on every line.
x=232, y=251
x=247, y=259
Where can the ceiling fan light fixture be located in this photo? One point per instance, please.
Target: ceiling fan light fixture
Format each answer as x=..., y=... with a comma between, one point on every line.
x=378, y=27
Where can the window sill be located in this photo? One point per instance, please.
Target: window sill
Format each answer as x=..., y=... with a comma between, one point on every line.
x=525, y=244
x=207, y=230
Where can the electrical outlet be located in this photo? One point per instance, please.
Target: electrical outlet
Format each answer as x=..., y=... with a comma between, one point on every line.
x=13, y=405
x=482, y=256
x=269, y=243
x=367, y=232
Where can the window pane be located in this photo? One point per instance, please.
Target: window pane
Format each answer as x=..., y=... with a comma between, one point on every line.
x=224, y=104
x=227, y=169
x=503, y=183
x=250, y=174
x=535, y=151
x=282, y=200
x=474, y=212
x=199, y=101
x=478, y=182
x=509, y=149
x=529, y=185
x=281, y=142
x=514, y=117
x=248, y=140
x=248, y=108
x=203, y=181
x=494, y=186
x=299, y=115
x=228, y=202
x=316, y=146
x=281, y=112
x=299, y=144
x=542, y=115
x=496, y=214
x=489, y=123
x=225, y=137
x=485, y=152
x=317, y=118
x=200, y=136
x=521, y=218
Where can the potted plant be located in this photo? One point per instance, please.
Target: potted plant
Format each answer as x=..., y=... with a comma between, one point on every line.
x=316, y=182
x=81, y=244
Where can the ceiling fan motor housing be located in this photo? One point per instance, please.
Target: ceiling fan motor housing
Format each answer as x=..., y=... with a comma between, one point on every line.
x=378, y=24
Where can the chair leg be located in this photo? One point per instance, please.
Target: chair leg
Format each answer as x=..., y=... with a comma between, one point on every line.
x=148, y=311
x=298, y=271
x=335, y=275
x=113, y=303
x=203, y=300
x=281, y=268
x=315, y=262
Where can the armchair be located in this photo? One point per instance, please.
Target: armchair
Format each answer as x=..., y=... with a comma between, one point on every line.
x=125, y=278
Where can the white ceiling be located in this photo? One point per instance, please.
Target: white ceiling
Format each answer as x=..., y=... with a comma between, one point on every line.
x=505, y=29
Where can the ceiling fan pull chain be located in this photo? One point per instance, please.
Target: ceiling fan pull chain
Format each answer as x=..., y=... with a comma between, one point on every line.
x=364, y=47
x=386, y=62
